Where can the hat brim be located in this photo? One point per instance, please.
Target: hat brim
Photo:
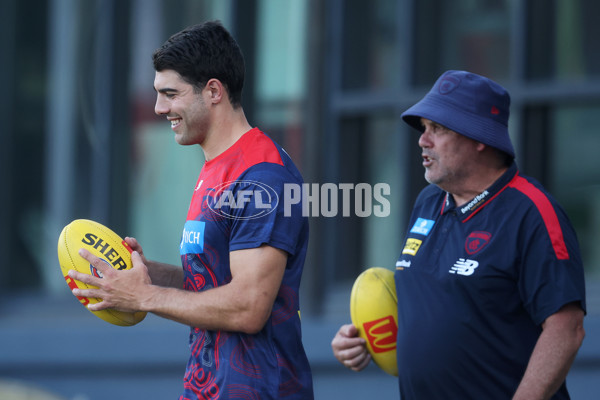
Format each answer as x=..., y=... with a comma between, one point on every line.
x=483, y=130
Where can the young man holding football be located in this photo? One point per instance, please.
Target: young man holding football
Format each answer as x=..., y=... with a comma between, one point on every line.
x=242, y=261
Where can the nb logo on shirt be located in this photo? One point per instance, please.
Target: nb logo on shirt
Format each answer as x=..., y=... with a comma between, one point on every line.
x=464, y=267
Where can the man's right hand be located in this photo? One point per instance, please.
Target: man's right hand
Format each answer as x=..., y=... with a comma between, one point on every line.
x=350, y=349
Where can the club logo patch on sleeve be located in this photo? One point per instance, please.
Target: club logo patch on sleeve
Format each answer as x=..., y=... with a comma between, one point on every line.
x=422, y=226
x=192, y=240
x=411, y=246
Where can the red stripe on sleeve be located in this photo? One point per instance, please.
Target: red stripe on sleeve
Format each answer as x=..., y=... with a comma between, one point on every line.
x=548, y=215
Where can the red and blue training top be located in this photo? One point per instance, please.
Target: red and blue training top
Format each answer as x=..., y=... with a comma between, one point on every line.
x=238, y=204
x=475, y=283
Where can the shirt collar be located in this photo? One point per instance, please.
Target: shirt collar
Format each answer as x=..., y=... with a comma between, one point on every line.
x=469, y=209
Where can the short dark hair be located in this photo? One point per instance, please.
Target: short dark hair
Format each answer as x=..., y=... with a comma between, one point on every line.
x=203, y=52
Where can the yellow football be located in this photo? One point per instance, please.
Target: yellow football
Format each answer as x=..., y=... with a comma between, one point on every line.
x=374, y=311
x=104, y=243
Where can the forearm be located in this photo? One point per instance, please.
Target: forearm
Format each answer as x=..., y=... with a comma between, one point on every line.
x=222, y=308
x=165, y=275
x=242, y=305
x=552, y=358
x=547, y=370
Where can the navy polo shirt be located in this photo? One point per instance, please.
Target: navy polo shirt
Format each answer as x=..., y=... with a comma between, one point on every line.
x=474, y=284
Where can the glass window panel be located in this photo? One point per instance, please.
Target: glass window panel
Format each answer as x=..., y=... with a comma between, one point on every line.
x=22, y=164
x=466, y=34
x=383, y=235
x=563, y=40
x=165, y=177
x=178, y=14
x=370, y=154
x=538, y=47
x=576, y=176
x=280, y=49
x=577, y=33
x=370, y=51
x=281, y=61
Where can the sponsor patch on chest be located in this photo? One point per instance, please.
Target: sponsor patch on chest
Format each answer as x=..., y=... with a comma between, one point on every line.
x=422, y=226
x=412, y=246
x=192, y=239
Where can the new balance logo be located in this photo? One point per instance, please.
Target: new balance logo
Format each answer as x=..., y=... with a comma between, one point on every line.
x=464, y=267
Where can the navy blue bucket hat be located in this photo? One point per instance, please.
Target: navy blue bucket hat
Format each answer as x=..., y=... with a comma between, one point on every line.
x=469, y=104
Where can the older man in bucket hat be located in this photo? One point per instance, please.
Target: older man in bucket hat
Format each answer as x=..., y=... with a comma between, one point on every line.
x=490, y=284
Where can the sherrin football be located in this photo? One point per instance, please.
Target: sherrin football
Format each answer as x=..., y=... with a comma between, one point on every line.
x=103, y=243
x=374, y=312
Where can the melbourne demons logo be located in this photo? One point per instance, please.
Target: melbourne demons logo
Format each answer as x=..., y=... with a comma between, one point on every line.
x=381, y=334
x=448, y=84
x=477, y=241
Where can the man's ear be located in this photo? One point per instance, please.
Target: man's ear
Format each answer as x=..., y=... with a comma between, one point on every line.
x=216, y=90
